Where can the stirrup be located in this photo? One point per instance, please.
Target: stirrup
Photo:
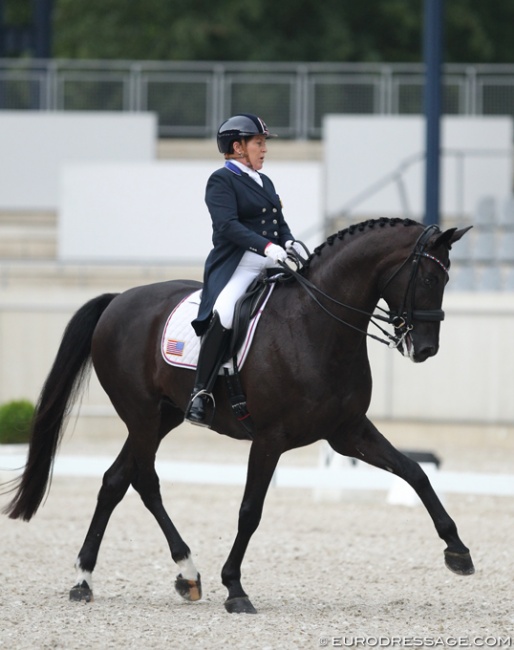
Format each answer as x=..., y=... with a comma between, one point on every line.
x=205, y=395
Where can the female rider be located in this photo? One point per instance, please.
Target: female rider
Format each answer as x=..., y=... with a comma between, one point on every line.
x=249, y=234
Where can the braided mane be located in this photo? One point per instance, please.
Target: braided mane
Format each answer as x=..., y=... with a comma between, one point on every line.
x=382, y=222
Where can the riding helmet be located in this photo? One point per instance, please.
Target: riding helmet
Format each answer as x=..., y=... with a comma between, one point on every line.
x=243, y=125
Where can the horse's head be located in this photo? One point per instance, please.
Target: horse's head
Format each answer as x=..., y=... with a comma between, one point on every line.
x=414, y=292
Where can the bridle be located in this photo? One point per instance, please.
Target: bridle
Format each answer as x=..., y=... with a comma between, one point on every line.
x=401, y=319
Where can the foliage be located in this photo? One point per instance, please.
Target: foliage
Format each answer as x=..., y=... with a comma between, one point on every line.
x=475, y=31
x=266, y=30
x=18, y=12
x=15, y=420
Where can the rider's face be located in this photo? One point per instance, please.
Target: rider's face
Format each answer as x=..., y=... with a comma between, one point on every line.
x=254, y=151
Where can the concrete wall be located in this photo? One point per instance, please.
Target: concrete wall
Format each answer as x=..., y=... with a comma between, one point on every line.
x=156, y=211
x=35, y=146
x=362, y=151
x=471, y=377
x=470, y=380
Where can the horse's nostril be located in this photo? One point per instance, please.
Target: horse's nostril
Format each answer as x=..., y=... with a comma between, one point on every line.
x=426, y=352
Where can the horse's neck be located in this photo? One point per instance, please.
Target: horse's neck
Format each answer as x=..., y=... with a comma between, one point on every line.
x=348, y=274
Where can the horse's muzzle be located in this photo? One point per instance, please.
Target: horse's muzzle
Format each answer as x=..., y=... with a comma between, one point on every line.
x=415, y=350
x=424, y=353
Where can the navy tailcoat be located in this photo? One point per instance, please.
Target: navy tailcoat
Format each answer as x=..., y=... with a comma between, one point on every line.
x=245, y=217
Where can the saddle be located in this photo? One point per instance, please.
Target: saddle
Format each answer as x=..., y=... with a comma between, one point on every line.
x=180, y=345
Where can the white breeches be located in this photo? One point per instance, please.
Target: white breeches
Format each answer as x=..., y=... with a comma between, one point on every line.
x=248, y=269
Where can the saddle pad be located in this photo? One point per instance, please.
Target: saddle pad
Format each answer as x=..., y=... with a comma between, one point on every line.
x=180, y=345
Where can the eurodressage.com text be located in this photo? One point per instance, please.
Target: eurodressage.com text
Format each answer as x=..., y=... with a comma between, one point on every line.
x=416, y=642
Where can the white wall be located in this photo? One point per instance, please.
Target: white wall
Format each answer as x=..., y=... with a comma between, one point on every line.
x=471, y=377
x=156, y=211
x=360, y=151
x=469, y=380
x=35, y=145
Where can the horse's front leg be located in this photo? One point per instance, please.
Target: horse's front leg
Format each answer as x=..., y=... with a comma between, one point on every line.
x=369, y=445
x=261, y=465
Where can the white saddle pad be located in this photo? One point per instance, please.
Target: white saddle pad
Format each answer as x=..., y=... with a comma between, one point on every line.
x=180, y=345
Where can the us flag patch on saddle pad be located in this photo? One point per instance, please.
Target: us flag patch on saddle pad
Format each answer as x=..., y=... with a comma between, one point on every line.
x=175, y=348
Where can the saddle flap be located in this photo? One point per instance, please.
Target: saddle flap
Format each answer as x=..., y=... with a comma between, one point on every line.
x=246, y=308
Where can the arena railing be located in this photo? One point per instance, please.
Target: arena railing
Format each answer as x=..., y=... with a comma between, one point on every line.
x=192, y=98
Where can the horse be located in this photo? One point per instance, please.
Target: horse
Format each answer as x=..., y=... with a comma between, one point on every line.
x=306, y=378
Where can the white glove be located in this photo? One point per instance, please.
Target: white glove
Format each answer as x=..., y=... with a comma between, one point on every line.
x=296, y=246
x=275, y=253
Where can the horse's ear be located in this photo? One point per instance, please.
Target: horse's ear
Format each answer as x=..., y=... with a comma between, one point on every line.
x=450, y=236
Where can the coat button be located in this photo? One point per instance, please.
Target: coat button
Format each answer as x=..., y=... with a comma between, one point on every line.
x=275, y=210
x=275, y=221
x=264, y=232
x=264, y=209
x=275, y=233
x=263, y=221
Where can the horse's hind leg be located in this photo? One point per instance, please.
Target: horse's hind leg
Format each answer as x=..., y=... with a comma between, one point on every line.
x=146, y=482
x=141, y=473
x=115, y=483
x=369, y=445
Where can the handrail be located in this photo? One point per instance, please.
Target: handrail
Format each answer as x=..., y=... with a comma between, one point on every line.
x=397, y=176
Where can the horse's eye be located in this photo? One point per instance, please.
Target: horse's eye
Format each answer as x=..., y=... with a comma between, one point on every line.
x=429, y=281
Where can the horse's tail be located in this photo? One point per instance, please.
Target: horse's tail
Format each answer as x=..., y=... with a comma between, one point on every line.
x=61, y=388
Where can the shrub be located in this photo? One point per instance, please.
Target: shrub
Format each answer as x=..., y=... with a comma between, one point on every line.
x=15, y=420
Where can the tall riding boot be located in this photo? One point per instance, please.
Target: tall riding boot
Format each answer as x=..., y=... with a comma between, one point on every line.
x=213, y=348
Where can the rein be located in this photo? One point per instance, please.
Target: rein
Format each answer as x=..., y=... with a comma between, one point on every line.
x=401, y=319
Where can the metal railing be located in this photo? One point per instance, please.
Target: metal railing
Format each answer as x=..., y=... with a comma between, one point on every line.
x=344, y=216
x=192, y=98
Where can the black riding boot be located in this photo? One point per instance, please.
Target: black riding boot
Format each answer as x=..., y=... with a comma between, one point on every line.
x=213, y=348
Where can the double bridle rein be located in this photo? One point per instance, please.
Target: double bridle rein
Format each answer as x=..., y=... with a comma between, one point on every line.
x=402, y=319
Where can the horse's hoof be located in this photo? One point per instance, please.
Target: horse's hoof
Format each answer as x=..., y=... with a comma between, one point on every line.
x=82, y=592
x=460, y=563
x=188, y=589
x=240, y=605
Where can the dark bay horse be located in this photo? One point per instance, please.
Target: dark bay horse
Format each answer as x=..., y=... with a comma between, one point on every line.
x=307, y=377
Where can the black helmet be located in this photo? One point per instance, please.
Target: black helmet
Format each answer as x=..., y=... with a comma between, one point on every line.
x=244, y=125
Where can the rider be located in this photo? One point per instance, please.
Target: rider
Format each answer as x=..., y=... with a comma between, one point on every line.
x=249, y=234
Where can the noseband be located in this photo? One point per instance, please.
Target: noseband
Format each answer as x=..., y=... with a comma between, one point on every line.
x=402, y=319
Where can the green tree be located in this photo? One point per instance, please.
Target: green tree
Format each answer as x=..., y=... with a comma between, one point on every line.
x=479, y=31
x=17, y=12
x=266, y=30
x=258, y=30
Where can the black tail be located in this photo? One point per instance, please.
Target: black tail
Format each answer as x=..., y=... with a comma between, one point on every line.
x=62, y=386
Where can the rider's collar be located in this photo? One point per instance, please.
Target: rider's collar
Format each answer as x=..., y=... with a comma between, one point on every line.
x=236, y=168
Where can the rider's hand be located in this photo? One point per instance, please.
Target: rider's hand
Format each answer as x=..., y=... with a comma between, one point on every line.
x=275, y=252
x=295, y=246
